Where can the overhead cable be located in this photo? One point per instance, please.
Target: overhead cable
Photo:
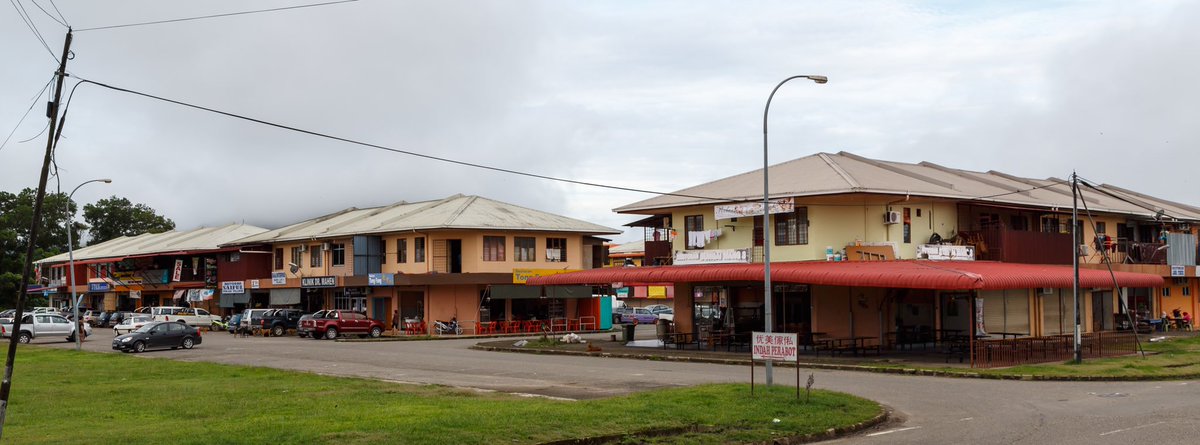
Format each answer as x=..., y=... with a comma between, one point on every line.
x=228, y=14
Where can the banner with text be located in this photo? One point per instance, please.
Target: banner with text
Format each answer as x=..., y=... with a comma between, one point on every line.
x=745, y=209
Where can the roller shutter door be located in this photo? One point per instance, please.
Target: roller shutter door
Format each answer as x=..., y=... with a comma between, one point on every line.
x=1052, y=313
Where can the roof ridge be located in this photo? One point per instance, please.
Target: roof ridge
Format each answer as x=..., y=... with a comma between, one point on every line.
x=302, y=224
x=684, y=191
x=969, y=176
x=1145, y=196
x=841, y=172
x=1033, y=182
x=887, y=165
x=461, y=208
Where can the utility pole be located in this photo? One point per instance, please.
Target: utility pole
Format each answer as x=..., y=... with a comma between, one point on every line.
x=1075, y=262
x=52, y=114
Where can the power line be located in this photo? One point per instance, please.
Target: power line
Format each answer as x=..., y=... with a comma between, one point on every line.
x=48, y=14
x=29, y=23
x=23, y=116
x=228, y=14
x=71, y=95
x=60, y=14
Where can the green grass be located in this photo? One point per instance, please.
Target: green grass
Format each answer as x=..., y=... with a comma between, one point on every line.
x=61, y=396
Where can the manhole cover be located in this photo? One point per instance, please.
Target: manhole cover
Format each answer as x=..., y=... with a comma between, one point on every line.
x=1112, y=394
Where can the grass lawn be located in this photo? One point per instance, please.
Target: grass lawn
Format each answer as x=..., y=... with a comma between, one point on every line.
x=61, y=396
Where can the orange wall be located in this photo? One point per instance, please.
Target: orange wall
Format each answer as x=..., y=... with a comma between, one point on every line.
x=472, y=251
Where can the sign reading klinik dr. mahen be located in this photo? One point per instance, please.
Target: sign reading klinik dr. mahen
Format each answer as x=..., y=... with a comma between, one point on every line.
x=318, y=282
x=774, y=346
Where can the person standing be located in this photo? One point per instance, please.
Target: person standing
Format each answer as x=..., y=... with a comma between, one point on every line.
x=396, y=320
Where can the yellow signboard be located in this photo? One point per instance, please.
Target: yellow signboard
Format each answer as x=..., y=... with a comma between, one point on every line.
x=657, y=291
x=520, y=276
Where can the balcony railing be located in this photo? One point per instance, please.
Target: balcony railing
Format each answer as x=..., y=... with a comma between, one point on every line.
x=1018, y=246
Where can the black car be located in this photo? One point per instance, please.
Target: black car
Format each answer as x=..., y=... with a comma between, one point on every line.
x=162, y=334
x=115, y=318
x=279, y=321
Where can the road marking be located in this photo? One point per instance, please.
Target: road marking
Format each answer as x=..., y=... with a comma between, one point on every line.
x=1133, y=428
x=964, y=419
x=897, y=430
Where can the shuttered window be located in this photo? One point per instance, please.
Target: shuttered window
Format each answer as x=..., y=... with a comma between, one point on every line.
x=1053, y=321
x=1006, y=311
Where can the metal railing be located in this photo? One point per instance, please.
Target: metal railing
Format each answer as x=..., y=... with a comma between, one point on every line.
x=1052, y=348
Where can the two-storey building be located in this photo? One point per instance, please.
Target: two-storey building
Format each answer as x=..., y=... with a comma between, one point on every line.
x=461, y=257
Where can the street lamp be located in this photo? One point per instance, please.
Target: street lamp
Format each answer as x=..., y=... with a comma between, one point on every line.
x=71, y=261
x=767, y=213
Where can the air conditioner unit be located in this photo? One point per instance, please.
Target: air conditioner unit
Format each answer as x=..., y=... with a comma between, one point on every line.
x=891, y=218
x=325, y=246
x=303, y=248
x=1047, y=291
x=1085, y=250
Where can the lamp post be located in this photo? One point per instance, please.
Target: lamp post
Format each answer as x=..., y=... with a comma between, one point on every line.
x=71, y=261
x=767, y=214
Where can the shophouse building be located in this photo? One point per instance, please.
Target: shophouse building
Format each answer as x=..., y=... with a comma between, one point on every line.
x=1011, y=234
x=463, y=257
x=153, y=269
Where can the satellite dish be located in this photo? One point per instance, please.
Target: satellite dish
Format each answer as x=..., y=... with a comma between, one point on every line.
x=294, y=268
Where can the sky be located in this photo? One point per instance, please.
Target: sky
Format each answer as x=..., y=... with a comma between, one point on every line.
x=651, y=95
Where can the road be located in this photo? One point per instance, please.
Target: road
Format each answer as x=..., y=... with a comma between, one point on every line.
x=928, y=409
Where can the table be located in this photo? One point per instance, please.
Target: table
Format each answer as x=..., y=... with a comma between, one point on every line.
x=679, y=339
x=1004, y=335
x=852, y=344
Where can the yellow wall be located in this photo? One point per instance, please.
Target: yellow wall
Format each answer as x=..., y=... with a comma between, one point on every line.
x=472, y=252
x=834, y=221
x=314, y=247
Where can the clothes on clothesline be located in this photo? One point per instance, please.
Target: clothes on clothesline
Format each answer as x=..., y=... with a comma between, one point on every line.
x=699, y=238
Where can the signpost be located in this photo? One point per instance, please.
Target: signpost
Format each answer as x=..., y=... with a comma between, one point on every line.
x=775, y=346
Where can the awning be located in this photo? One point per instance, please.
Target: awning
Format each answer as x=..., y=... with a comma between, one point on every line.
x=907, y=274
x=569, y=291
x=514, y=292
x=229, y=300
x=282, y=296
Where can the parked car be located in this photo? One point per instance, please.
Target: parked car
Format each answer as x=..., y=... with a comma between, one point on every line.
x=6, y=316
x=668, y=315
x=92, y=316
x=43, y=325
x=304, y=330
x=251, y=318
x=132, y=323
x=160, y=334
x=188, y=316
x=235, y=322
x=116, y=317
x=640, y=314
x=278, y=321
x=659, y=308
x=338, y=322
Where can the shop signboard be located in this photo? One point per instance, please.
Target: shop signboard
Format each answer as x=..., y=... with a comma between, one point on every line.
x=177, y=272
x=720, y=256
x=520, y=276
x=753, y=208
x=623, y=292
x=254, y=284
x=100, y=286
x=233, y=287
x=133, y=295
x=381, y=279
x=775, y=346
x=278, y=278
x=946, y=252
x=1178, y=271
x=312, y=282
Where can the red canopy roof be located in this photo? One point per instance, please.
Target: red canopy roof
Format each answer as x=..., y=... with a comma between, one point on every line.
x=909, y=274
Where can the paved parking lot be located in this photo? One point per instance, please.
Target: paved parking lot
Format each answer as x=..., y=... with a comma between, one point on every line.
x=933, y=410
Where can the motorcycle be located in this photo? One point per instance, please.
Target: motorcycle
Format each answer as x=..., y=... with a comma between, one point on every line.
x=450, y=327
x=219, y=325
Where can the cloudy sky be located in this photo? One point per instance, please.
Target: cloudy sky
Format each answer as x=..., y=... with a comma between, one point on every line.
x=649, y=95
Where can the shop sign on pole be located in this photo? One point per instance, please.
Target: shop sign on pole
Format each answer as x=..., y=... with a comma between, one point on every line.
x=775, y=346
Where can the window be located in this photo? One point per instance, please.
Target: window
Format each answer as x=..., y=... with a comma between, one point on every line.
x=525, y=248
x=314, y=256
x=402, y=250
x=1187, y=291
x=419, y=250
x=297, y=255
x=908, y=225
x=693, y=223
x=556, y=250
x=339, y=254
x=1166, y=291
x=792, y=228
x=278, y=258
x=1101, y=227
x=493, y=248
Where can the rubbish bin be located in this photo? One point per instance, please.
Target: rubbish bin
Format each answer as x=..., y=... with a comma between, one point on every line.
x=662, y=328
x=627, y=332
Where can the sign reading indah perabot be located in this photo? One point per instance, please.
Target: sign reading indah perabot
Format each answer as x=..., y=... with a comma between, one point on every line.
x=318, y=282
x=774, y=346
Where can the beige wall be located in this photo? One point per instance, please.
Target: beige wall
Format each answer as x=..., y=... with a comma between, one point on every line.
x=833, y=221
x=472, y=252
x=835, y=307
x=314, y=248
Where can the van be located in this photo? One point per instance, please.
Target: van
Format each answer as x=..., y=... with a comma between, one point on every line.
x=252, y=318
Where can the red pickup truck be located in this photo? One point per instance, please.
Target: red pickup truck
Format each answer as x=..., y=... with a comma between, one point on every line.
x=334, y=323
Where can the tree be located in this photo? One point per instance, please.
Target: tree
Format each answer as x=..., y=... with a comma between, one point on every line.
x=116, y=217
x=16, y=214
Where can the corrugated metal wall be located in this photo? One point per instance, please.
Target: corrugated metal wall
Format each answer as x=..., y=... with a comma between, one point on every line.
x=1183, y=249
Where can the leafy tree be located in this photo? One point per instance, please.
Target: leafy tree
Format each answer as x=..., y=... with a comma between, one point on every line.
x=16, y=213
x=116, y=217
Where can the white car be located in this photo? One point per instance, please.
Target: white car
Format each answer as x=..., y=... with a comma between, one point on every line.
x=132, y=323
x=190, y=316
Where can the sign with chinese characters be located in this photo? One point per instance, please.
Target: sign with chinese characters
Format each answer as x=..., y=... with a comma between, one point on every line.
x=724, y=256
x=775, y=346
x=233, y=287
x=381, y=279
x=278, y=278
x=318, y=282
x=520, y=276
x=745, y=209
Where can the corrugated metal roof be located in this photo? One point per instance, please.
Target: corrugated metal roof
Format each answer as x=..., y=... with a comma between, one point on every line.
x=204, y=238
x=843, y=172
x=455, y=212
x=910, y=274
x=630, y=247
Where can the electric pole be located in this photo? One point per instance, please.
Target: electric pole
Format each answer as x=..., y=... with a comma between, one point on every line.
x=52, y=114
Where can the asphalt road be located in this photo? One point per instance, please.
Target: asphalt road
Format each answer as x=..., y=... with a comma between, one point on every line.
x=928, y=409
